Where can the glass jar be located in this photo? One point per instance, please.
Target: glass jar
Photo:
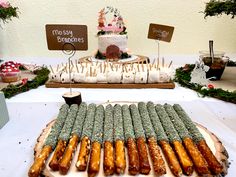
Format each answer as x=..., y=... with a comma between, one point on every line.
x=216, y=64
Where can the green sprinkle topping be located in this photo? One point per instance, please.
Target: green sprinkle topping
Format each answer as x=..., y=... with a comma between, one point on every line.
x=66, y=130
x=128, y=125
x=167, y=124
x=160, y=133
x=118, y=123
x=137, y=122
x=98, y=124
x=108, y=124
x=89, y=121
x=52, y=138
x=79, y=121
x=147, y=124
x=176, y=121
x=189, y=124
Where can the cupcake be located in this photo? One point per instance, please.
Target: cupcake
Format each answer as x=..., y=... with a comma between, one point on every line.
x=10, y=72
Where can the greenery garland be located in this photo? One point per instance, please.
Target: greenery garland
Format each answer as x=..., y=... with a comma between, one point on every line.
x=216, y=7
x=183, y=77
x=7, y=11
x=40, y=79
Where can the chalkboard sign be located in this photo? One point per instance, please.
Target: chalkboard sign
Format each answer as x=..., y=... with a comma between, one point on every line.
x=160, y=32
x=59, y=35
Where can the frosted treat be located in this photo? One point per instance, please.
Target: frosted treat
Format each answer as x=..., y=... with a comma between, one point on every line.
x=153, y=76
x=140, y=78
x=101, y=77
x=65, y=78
x=114, y=77
x=79, y=77
x=164, y=76
x=128, y=77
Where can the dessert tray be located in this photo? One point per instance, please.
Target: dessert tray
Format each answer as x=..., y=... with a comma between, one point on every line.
x=215, y=145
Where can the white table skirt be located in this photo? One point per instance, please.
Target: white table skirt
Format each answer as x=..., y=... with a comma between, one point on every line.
x=31, y=111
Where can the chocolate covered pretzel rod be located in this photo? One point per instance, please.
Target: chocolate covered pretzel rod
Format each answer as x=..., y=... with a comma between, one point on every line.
x=163, y=141
x=132, y=150
x=175, y=140
x=63, y=138
x=65, y=162
x=214, y=165
x=94, y=162
x=82, y=160
x=151, y=136
x=144, y=166
x=50, y=143
x=108, y=161
x=200, y=163
x=120, y=160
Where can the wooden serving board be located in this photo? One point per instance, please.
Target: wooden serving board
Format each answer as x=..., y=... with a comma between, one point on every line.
x=219, y=151
x=169, y=85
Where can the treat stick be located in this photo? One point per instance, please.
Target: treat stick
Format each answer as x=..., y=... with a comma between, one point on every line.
x=39, y=162
x=138, y=68
x=63, y=138
x=133, y=156
x=51, y=69
x=58, y=153
x=77, y=69
x=82, y=71
x=65, y=162
x=94, y=162
x=151, y=136
x=214, y=166
x=171, y=158
x=144, y=166
x=157, y=159
x=170, y=64
x=104, y=70
x=200, y=163
x=108, y=160
x=50, y=143
x=108, y=164
x=120, y=161
x=100, y=67
x=163, y=141
x=111, y=66
x=158, y=62
x=82, y=160
x=163, y=62
x=174, y=138
x=90, y=72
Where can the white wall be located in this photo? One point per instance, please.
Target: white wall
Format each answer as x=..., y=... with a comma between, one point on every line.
x=25, y=37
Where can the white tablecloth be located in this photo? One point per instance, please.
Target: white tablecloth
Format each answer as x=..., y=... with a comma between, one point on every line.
x=31, y=111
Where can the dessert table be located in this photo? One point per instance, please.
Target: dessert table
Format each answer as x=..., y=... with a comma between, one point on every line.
x=30, y=112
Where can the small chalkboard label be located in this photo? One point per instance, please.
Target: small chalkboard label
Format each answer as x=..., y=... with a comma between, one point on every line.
x=59, y=35
x=160, y=32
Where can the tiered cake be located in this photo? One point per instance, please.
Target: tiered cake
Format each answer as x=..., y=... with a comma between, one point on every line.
x=112, y=35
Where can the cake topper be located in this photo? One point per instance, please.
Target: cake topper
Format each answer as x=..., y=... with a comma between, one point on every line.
x=113, y=25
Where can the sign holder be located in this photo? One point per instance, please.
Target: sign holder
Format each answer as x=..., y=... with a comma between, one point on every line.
x=70, y=52
x=160, y=33
x=68, y=39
